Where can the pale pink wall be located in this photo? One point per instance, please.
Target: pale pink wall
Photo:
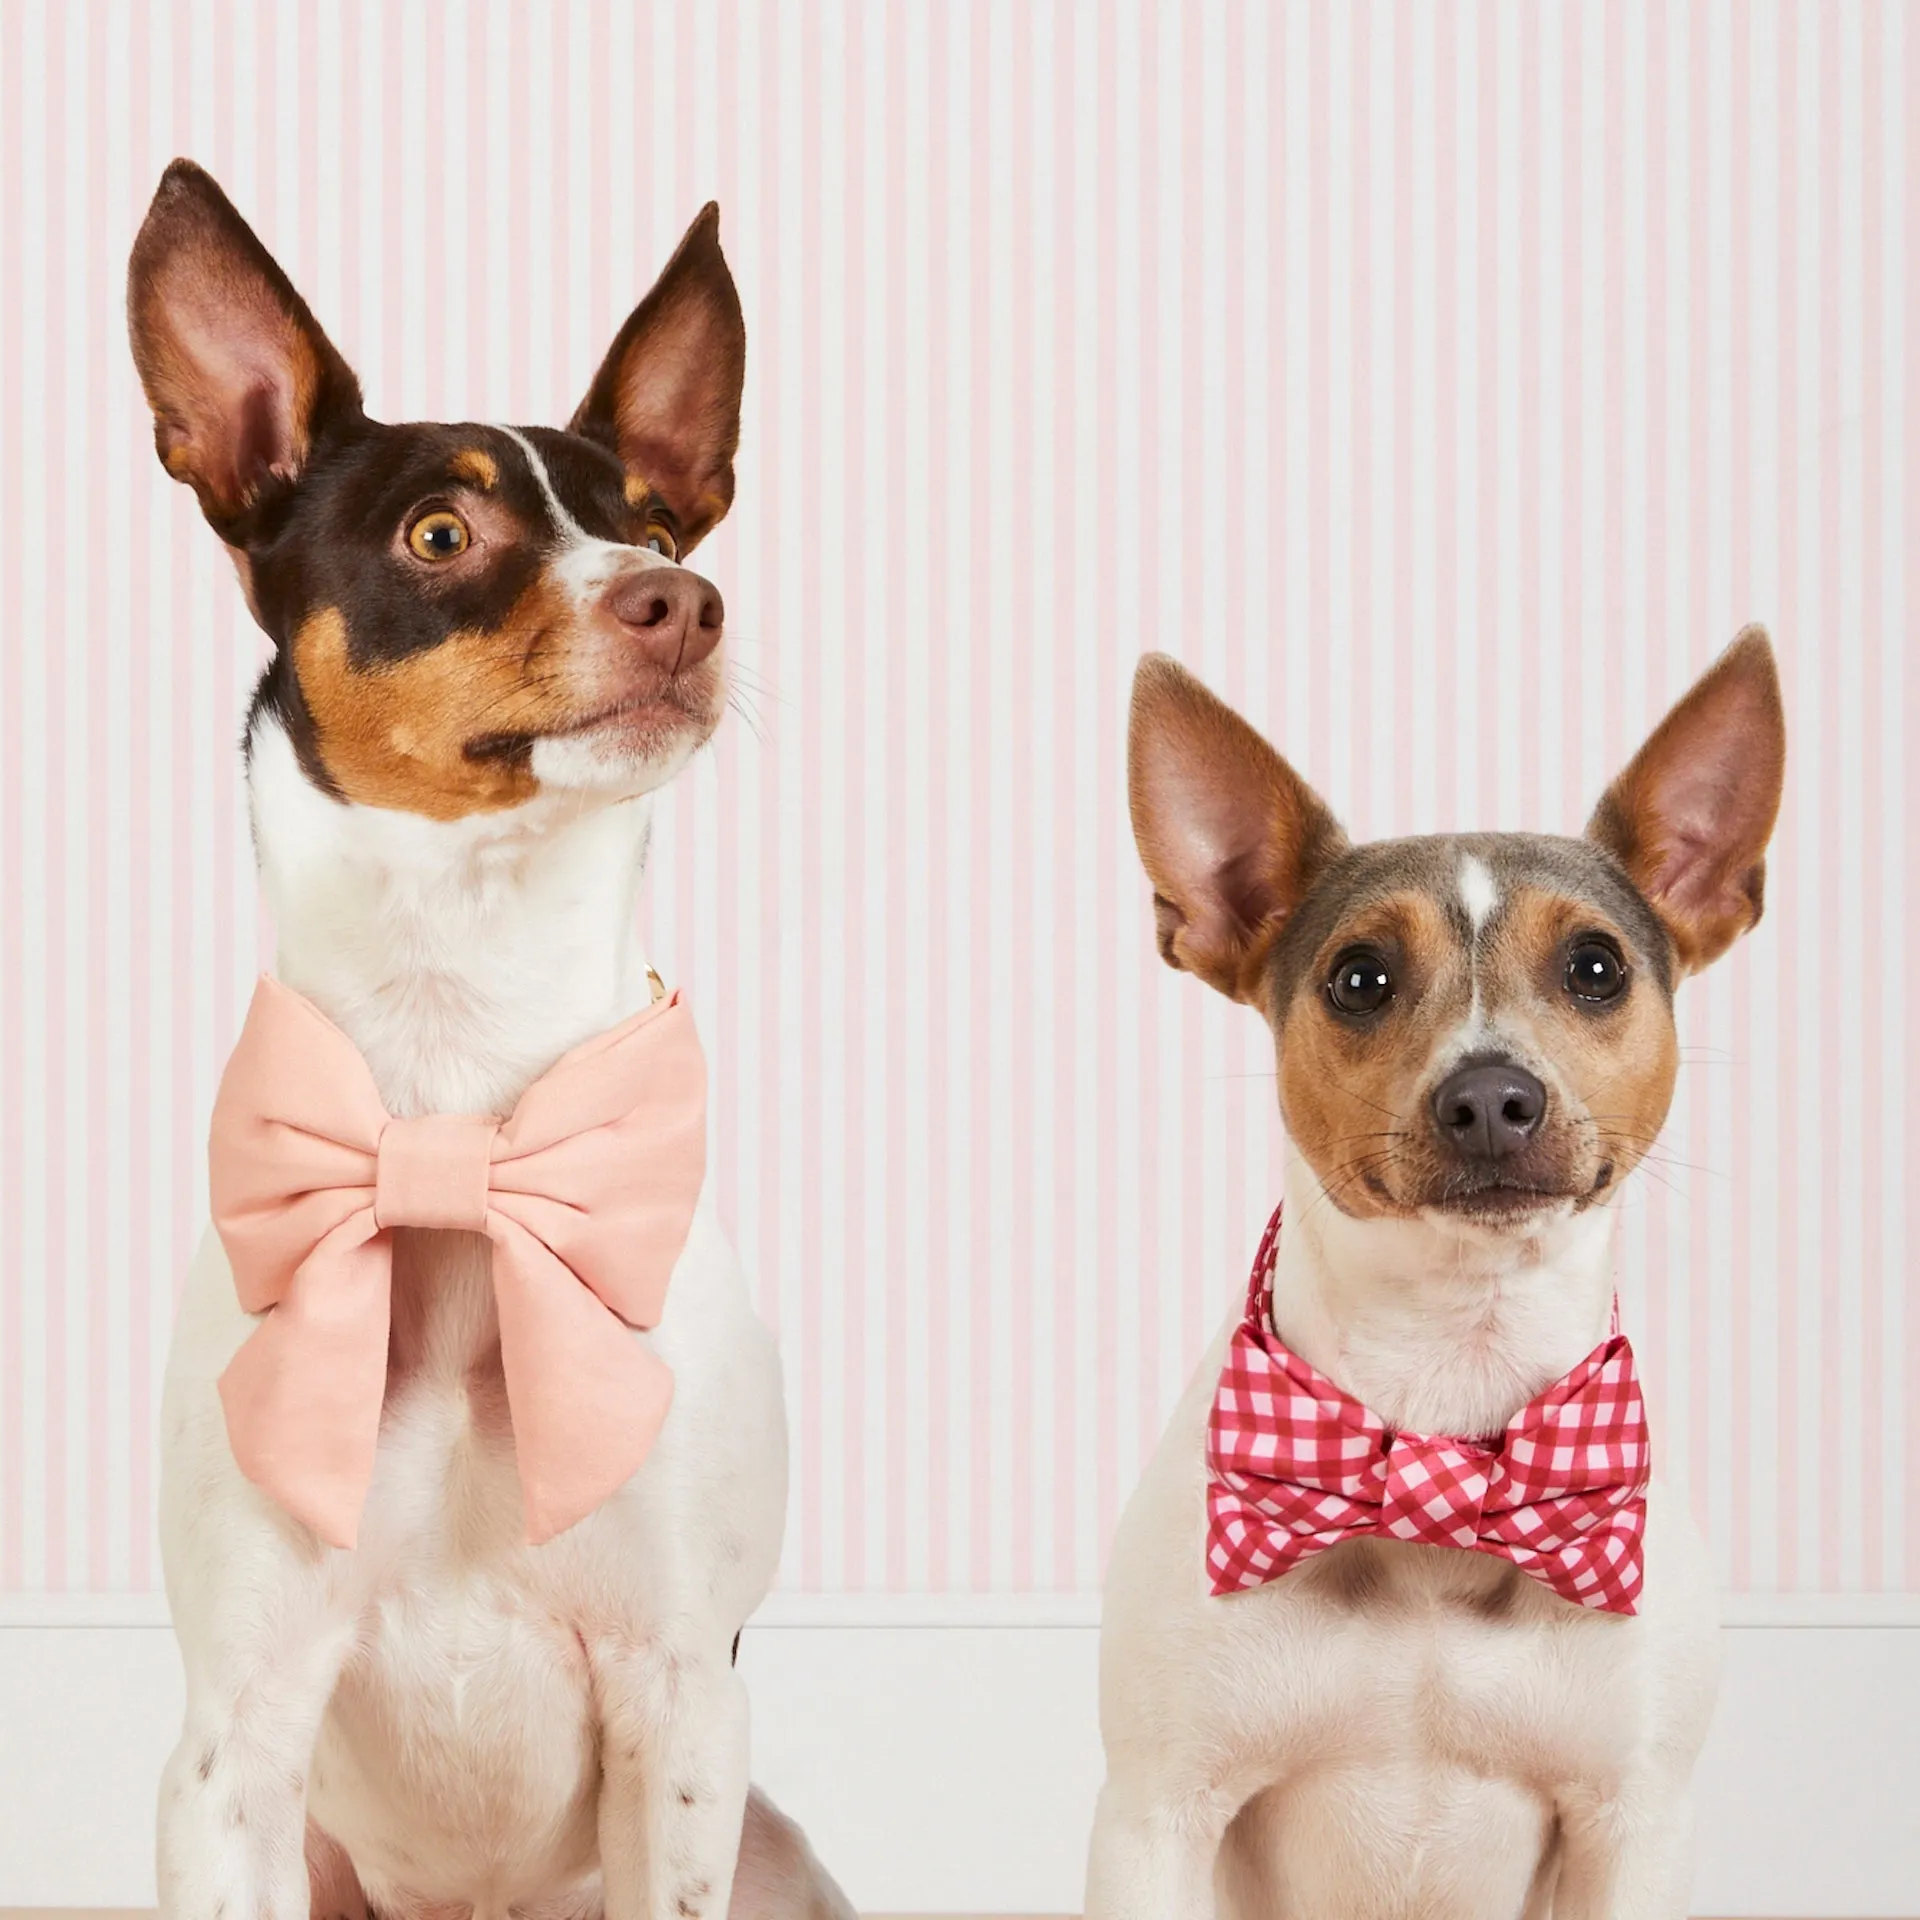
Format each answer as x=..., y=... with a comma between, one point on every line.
x=1446, y=383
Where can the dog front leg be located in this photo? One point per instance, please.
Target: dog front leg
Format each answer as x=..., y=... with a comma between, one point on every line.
x=233, y=1796
x=1625, y=1858
x=1152, y=1854
x=673, y=1787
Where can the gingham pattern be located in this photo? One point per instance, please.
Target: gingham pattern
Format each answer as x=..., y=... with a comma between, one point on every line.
x=1295, y=1465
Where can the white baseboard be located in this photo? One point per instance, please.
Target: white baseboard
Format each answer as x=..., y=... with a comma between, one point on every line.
x=951, y=1767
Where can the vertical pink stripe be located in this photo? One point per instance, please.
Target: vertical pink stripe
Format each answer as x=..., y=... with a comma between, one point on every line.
x=1107, y=703
x=1480, y=661
x=1834, y=1178
x=1319, y=505
x=1702, y=1150
x=61, y=1198
x=1740, y=522
x=1786, y=140
x=900, y=856
x=1068, y=858
x=131, y=449
x=1446, y=406
x=103, y=1159
x=1231, y=485
x=1535, y=630
x=1363, y=700
x=943, y=411
x=982, y=1157
x=859, y=1267
x=1018, y=904
x=1666, y=661
x=1910, y=548
x=809, y=1049
x=1877, y=1164
x=13, y=1011
x=1148, y=573
x=1572, y=357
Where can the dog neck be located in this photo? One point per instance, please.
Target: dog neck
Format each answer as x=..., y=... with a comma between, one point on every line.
x=1440, y=1329
x=461, y=957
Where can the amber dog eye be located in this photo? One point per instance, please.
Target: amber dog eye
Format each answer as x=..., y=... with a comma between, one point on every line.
x=660, y=540
x=439, y=535
x=1595, y=971
x=1360, y=983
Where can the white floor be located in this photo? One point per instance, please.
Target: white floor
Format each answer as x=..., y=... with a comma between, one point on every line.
x=950, y=1768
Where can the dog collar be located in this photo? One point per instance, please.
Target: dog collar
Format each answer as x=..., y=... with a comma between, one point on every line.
x=1295, y=1465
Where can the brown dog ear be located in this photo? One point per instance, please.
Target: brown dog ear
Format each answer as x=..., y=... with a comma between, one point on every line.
x=667, y=396
x=1229, y=834
x=1690, y=817
x=240, y=377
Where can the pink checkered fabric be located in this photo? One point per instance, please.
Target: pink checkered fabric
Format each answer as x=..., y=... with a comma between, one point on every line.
x=1295, y=1465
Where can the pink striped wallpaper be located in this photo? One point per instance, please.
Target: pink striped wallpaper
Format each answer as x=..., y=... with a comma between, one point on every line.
x=1447, y=383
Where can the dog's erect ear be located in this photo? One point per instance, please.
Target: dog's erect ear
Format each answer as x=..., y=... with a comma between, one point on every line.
x=667, y=396
x=240, y=377
x=1691, y=816
x=1229, y=834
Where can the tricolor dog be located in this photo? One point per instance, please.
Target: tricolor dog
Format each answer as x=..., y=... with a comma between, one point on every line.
x=428, y=1673
x=1395, y=1623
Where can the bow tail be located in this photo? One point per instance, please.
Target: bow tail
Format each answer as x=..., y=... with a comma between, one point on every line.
x=303, y=1394
x=588, y=1399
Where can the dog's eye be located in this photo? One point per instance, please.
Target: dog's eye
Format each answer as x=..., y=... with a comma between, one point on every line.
x=660, y=540
x=1595, y=971
x=1360, y=983
x=439, y=535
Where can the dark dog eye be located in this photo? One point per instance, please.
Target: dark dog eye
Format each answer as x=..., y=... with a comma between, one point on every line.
x=438, y=536
x=1595, y=971
x=1360, y=983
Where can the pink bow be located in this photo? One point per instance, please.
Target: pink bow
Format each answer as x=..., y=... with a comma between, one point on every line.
x=1295, y=1465
x=587, y=1192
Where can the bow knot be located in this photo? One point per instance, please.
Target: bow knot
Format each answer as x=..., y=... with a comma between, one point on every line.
x=586, y=1191
x=434, y=1171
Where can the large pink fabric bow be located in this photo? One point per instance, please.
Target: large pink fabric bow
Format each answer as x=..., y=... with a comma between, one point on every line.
x=1295, y=1465
x=587, y=1192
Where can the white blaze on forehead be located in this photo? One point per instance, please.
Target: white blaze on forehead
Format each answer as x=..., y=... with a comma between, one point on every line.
x=586, y=562
x=1478, y=892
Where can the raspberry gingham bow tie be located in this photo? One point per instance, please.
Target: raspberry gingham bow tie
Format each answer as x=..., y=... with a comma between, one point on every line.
x=586, y=1191
x=1295, y=1465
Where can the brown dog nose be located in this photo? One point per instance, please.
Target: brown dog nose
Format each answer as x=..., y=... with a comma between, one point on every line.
x=674, y=616
x=1488, y=1109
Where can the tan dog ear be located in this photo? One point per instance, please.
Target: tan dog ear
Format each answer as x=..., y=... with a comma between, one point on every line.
x=667, y=396
x=240, y=377
x=1691, y=816
x=1229, y=834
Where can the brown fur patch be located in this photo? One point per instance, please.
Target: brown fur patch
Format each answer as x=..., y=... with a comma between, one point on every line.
x=637, y=490
x=396, y=734
x=1611, y=1067
x=1351, y=1093
x=477, y=465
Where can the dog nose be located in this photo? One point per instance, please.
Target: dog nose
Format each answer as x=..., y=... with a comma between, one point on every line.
x=1489, y=1109
x=674, y=616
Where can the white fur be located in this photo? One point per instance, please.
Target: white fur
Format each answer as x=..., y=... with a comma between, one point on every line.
x=1479, y=891
x=482, y=1725
x=1307, y=1749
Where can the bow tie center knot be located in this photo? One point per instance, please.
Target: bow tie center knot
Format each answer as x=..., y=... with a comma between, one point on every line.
x=434, y=1171
x=1435, y=1489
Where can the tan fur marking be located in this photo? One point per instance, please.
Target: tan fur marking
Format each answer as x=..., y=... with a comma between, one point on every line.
x=1352, y=1095
x=637, y=490
x=395, y=735
x=477, y=465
